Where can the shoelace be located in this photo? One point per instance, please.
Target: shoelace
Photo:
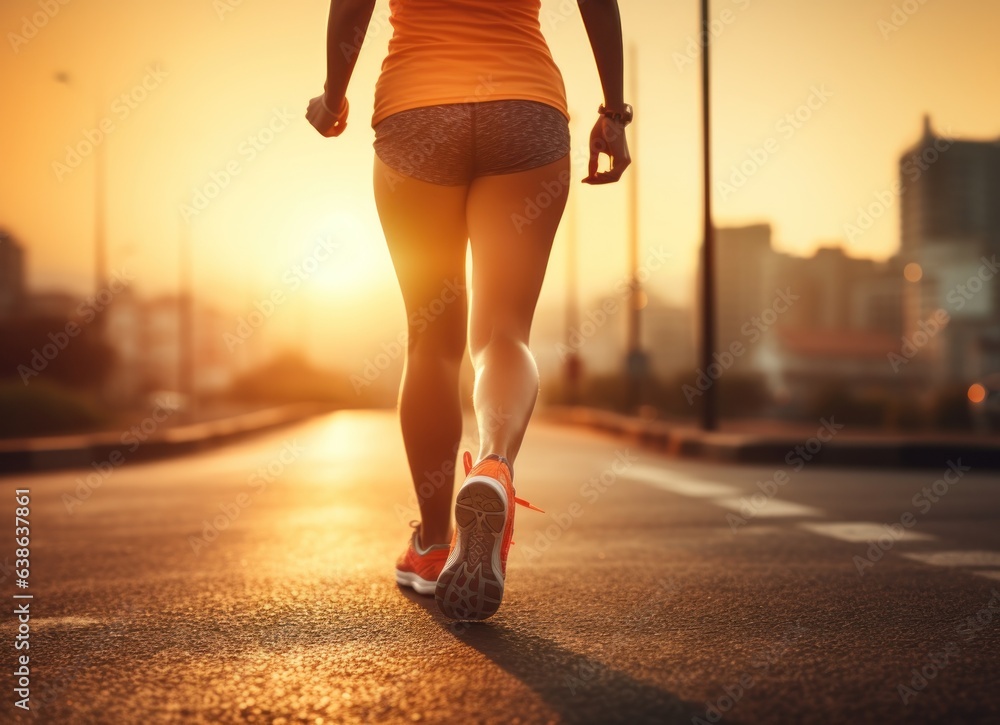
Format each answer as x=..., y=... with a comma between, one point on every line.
x=527, y=505
x=467, y=462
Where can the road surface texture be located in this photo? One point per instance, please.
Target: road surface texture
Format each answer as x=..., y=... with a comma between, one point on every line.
x=254, y=583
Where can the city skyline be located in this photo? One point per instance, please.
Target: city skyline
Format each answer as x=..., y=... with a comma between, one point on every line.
x=271, y=326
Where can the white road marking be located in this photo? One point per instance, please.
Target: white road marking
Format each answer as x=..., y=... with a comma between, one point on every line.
x=670, y=481
x=863, y=531
x=721, y=494
x=773, y=508
x=957, y=558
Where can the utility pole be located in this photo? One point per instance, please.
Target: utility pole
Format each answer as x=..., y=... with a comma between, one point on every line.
x=185, y=319
x=100, y=196
x=709, y=413
x=636, y=363
x=573, y=365
x=100, y=201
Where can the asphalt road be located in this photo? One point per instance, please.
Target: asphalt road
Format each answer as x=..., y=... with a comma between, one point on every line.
x=254, y=583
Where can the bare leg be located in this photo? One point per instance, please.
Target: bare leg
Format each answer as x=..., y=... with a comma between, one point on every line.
x=509, y=256
x=424, y=226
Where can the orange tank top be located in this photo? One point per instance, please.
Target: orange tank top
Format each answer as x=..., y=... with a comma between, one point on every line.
x=460, y=51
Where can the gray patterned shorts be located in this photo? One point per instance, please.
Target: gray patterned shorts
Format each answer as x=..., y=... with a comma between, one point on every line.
x=451, y=144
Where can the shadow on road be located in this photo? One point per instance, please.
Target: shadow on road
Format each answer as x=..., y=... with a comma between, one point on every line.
x=580, y=688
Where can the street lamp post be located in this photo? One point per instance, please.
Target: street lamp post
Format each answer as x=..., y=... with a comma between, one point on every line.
x=104, y=392
x=185, y=326
x=709, y=419
x=636, y=361
x=572, y=364
x=100, y=184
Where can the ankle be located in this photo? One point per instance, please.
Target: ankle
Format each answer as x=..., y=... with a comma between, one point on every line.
x=499, y=457
x=432, y=537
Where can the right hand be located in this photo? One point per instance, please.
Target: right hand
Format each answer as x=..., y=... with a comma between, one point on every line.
x=323, y=119
x=607, y=137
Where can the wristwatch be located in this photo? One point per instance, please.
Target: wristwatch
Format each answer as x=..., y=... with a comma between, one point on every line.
x=624, y=116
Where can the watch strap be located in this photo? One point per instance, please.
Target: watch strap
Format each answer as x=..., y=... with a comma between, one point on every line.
x=623, y=115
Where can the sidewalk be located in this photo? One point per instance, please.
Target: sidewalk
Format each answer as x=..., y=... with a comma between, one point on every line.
x=20, y=455
x=828, y=443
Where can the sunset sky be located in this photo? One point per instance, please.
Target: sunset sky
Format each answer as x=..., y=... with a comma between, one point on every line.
x=218, y=75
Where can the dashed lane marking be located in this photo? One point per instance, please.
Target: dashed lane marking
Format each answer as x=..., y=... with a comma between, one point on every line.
x=680, y=485
x=773, y=508
x=956, y=558
x=721, y=494
x=862, y=531
x=733, y=498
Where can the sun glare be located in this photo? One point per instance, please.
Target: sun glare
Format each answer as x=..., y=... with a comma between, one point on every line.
x=342, y=259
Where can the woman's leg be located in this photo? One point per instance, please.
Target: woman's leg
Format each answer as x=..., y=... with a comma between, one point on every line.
x=425, y=228
x=509, y=256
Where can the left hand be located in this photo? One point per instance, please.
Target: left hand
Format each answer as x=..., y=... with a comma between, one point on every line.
x=607, y=137
x=324, y=120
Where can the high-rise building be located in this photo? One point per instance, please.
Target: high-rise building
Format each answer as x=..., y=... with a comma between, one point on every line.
x=950, y=192
x=11, y=274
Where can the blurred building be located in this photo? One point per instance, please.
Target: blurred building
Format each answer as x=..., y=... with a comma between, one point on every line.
x=874, y=297
x=668, y=337
x=52, y=303
x=805, y=321
x=599, y=337
x=807, y=360
x=951, y=187
x=951, y=240
x=16, y=299
x=146, y=336
x=746, y=271
x=11, y=274
x=123, y=328
x=837, y=292
x=160, y=341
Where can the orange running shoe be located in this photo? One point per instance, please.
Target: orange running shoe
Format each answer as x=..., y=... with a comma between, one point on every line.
x=419, y=567
x=470, y=586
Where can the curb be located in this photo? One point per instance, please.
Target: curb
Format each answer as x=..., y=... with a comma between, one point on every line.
x=747, y=448
x=22, y=455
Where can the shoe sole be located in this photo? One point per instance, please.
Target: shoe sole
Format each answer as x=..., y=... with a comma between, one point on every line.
x=419, y=584
x=470, y=586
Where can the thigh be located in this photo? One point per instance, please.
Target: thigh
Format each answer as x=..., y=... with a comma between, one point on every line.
x=425, y=229
x=511, y=228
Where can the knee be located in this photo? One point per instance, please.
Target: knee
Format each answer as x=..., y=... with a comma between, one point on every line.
x=501, y=337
